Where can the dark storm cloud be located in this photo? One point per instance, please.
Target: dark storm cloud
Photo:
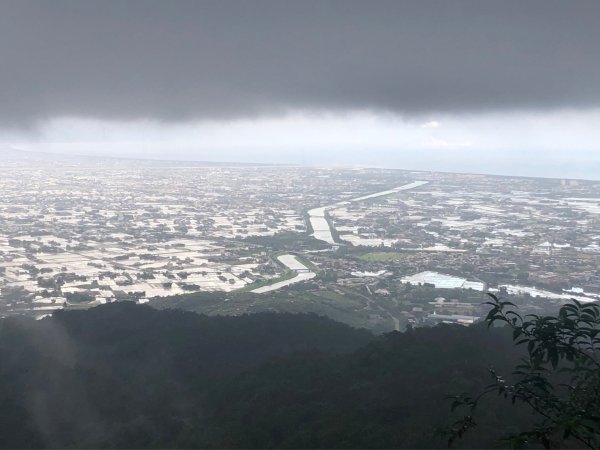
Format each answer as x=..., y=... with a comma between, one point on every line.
x=177, y=60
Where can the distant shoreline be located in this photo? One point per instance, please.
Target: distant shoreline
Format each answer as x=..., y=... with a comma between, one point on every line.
x=22, y=155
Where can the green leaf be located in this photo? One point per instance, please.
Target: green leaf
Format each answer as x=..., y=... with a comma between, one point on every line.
x=493, y=296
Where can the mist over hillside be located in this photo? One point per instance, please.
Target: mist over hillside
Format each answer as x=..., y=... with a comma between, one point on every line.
x=126, y=376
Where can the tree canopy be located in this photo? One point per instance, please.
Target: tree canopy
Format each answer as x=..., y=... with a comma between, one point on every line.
x=558, y=378
x=124, y=376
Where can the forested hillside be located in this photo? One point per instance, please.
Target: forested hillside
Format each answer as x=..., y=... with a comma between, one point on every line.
x=122, y=375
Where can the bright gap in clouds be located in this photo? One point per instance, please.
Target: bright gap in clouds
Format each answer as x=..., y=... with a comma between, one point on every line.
x=558, y=144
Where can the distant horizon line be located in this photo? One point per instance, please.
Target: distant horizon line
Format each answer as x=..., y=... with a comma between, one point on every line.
x=205, y=163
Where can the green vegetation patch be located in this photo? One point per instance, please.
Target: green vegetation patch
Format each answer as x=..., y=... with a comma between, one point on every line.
x=316, y=269
x=287, y=241
x=381, y=256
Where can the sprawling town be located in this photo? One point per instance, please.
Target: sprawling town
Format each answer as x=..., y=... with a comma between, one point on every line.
x=375, y=248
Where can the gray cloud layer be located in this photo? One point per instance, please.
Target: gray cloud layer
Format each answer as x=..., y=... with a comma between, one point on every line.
x=178, y=60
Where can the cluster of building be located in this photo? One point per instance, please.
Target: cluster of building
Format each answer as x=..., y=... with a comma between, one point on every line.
x=83, y=234
x=498, y=230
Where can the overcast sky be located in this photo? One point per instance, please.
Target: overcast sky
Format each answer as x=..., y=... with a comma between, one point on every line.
x=488, y=86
